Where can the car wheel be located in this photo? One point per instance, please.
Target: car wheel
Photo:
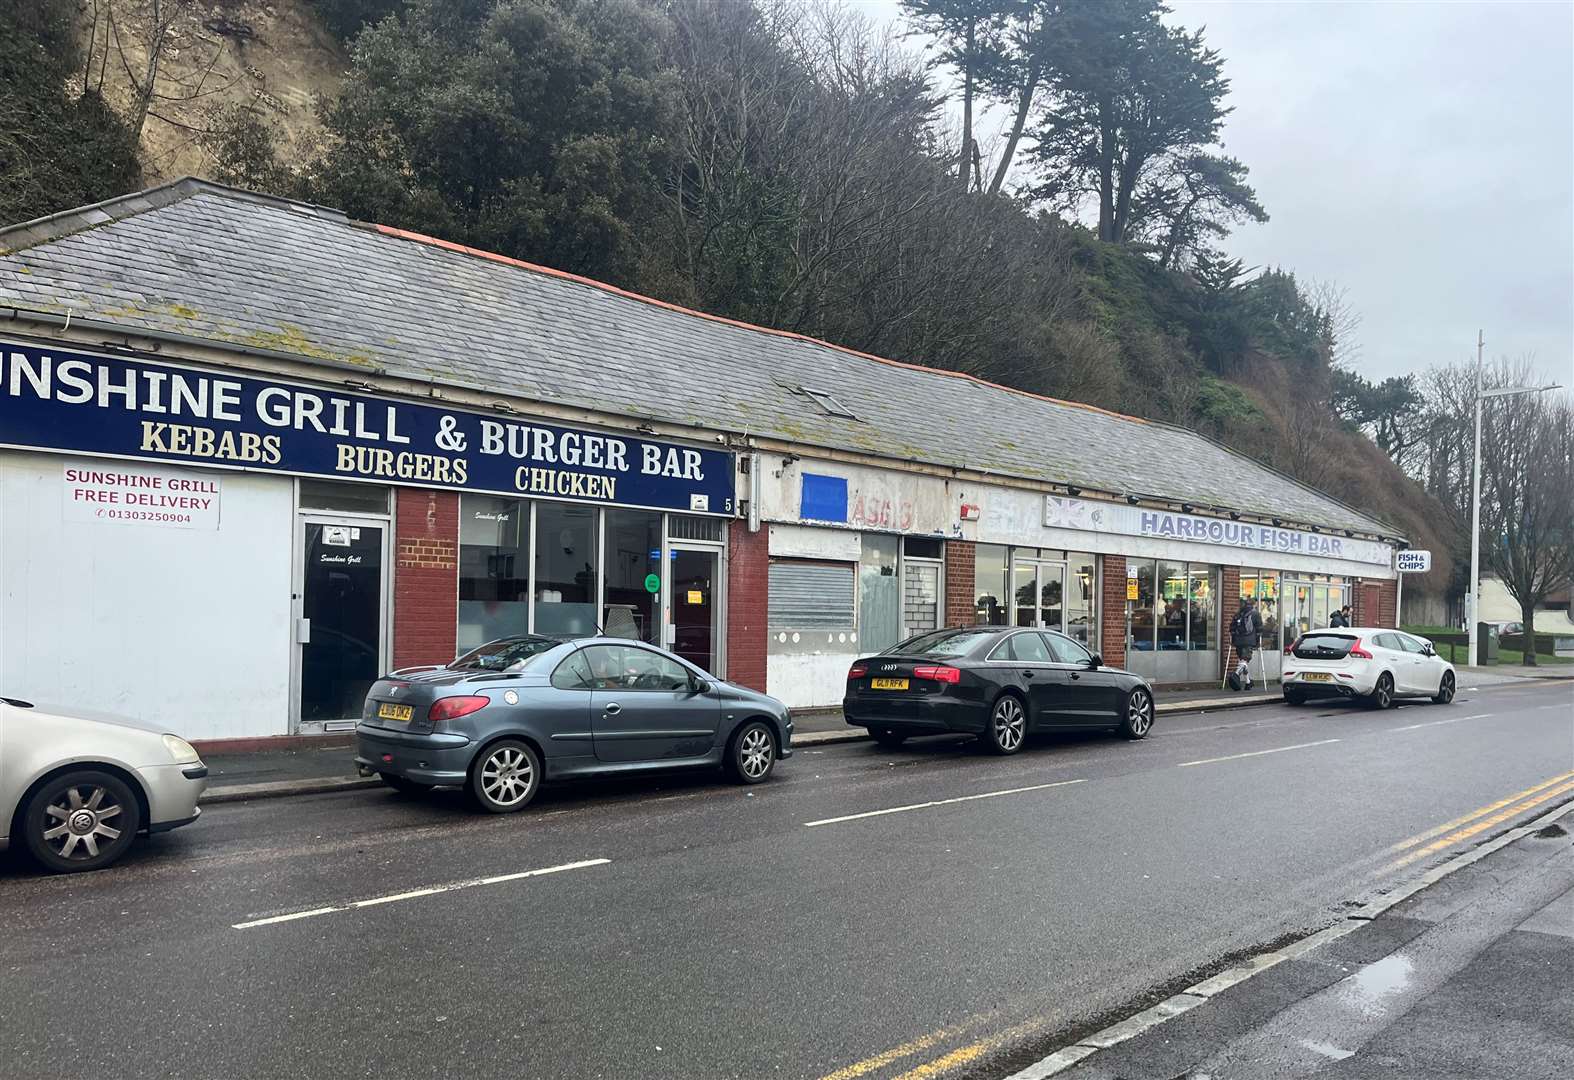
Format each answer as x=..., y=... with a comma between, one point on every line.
x=404, y=785
x=1445, y=689
x=1007, y=728
x=81, y=821
x=1139, y=715
x=1294, y=699
x=888, y=738
x=1383, y=693
x=505, y=777
x=752, y=755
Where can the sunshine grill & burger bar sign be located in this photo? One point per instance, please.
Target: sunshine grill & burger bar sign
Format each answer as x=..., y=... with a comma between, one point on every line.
x=51, y=399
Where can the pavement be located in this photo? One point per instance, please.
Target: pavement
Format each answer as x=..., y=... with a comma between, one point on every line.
x=927, y=913
x=330, y=766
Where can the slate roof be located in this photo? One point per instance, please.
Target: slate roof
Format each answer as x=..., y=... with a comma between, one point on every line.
x=206, y=262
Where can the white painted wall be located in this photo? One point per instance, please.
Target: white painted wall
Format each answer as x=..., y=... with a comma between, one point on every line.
x=808, y=681
x=187, y=626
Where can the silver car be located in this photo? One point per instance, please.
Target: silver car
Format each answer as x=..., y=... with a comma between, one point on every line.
x=76, y=787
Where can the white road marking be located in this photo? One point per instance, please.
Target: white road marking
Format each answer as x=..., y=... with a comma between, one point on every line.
x=1434, y=723
x=1256, y=753
x=939, y=802
x=1560, y=705
x=413, y=893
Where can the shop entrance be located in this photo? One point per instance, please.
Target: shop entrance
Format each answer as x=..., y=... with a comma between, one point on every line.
x=1038, y=591
x=1308, y=605
x=340, y=628
x=694, y=604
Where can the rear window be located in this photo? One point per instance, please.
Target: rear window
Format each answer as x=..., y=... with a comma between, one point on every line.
x=943, y=643
x=1324, y=647
x=505, y=654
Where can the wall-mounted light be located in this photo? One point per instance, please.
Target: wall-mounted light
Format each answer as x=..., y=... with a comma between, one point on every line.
x=1132, y=499
x=356, y=384
x=1235, y=515
x=1072, y=489
x=1187, y=508
x=1277, y=523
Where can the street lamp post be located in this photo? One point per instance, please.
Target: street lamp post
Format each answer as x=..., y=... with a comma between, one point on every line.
x=1473, y=598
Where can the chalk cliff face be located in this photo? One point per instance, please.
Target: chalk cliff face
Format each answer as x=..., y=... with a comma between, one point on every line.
x=274, y=56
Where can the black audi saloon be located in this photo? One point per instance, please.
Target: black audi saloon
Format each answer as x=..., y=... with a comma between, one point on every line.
x=514, y=712
x=1000, y=683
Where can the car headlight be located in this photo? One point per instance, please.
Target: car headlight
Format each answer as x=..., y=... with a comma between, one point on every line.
x=181, y=750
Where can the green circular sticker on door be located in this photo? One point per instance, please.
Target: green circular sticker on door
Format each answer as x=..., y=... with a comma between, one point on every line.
x=652, y=583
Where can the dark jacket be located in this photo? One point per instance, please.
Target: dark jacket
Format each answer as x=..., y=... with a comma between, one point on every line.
x=1253, y=629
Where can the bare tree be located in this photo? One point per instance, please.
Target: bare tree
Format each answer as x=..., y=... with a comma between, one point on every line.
x=1527, y=491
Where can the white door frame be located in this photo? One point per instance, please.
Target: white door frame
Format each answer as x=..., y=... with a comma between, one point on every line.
x=718, y=600
x=304, y=518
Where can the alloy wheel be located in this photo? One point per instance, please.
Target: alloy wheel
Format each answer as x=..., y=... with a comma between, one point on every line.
x=1010, y=724
x=1383, y=695
x=1139, y=714
x=1445, y=690
x=81, y=821
x=755, y=753
x=507, y=776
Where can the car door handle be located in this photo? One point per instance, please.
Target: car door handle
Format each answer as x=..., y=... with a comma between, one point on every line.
x=1027, y=674
x=611, y=708
x=1074, y=675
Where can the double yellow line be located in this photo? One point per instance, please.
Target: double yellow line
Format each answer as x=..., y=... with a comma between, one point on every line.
x=1479, y=820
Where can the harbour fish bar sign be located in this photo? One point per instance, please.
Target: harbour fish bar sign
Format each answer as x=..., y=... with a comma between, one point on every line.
x=130, y=407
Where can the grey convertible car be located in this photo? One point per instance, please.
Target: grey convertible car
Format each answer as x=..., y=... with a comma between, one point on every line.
x=520, y=710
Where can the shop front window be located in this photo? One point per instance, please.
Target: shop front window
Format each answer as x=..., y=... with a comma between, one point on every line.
x=1081, y=589
x=494, y=569
x=565, y=563
x=1263, y=586
x=1172, y=613
x=629, y=608
x=1140, y=595
x=1202, y=614
x=879, y=598
x=989, y=585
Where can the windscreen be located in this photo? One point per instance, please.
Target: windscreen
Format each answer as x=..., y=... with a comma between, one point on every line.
x=1324, y=647
x=504, y=654
x=943, y=643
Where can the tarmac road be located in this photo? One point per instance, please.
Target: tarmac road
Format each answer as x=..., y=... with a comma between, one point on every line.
x=927, y=912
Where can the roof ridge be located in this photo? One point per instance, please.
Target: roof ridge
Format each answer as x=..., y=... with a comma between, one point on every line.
x=63, y=223
x=629, y=294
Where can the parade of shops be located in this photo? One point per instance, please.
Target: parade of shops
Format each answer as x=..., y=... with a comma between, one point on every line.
x=253, y=453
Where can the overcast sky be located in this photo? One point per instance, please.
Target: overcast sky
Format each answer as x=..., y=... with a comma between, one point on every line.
x=1419, y=155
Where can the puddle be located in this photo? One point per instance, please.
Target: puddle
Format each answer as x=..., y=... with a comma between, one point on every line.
x=1369, y=986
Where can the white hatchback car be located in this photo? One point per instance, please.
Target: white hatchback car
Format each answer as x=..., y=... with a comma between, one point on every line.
x=76, y=787
x=1367, y=662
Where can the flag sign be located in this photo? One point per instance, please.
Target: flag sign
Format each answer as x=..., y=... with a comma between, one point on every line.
x=1413, y=562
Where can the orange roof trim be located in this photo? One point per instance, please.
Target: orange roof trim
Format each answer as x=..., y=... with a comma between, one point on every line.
x=422, y=238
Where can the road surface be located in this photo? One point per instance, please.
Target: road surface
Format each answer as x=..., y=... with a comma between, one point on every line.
x=926, y=912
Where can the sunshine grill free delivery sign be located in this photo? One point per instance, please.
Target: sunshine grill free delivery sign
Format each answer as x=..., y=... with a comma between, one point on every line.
x=51, y=399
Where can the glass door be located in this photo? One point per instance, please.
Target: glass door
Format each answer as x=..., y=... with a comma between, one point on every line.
x=694, y=605
x=1038, y=591
x=340, y=630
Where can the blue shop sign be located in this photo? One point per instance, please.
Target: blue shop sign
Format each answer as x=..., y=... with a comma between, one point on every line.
x=131, y=407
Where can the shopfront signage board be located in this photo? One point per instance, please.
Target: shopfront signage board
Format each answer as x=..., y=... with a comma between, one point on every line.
x=1068, y=513
x=130, y=407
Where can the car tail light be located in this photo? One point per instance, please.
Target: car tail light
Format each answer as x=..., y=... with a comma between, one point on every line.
x=857, y=671
x=451, y=708
x=937, y=672
x=1356, y=650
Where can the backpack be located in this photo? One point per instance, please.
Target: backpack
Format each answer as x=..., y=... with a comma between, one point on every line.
x=1240, y=626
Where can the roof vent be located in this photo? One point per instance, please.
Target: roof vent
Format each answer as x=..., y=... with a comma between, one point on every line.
x=826, y=401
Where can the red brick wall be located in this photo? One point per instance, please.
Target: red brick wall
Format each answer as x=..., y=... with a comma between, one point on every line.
x=1229, y=604
x=1380, y=613
x=1387, y=603
x=1112, y=611
x=426, y=576
x=748, y=575
x=959, y=608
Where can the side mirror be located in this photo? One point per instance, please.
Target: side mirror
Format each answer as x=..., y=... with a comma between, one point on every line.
x=1095, y=662
x=698, y=685
x=1428, y=650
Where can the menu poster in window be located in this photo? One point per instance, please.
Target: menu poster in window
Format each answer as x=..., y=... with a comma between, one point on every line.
x=130, y=494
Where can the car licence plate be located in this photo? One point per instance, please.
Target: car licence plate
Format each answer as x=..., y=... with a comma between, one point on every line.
x=1317, y=676
x=389, y=711
x=888, y=684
